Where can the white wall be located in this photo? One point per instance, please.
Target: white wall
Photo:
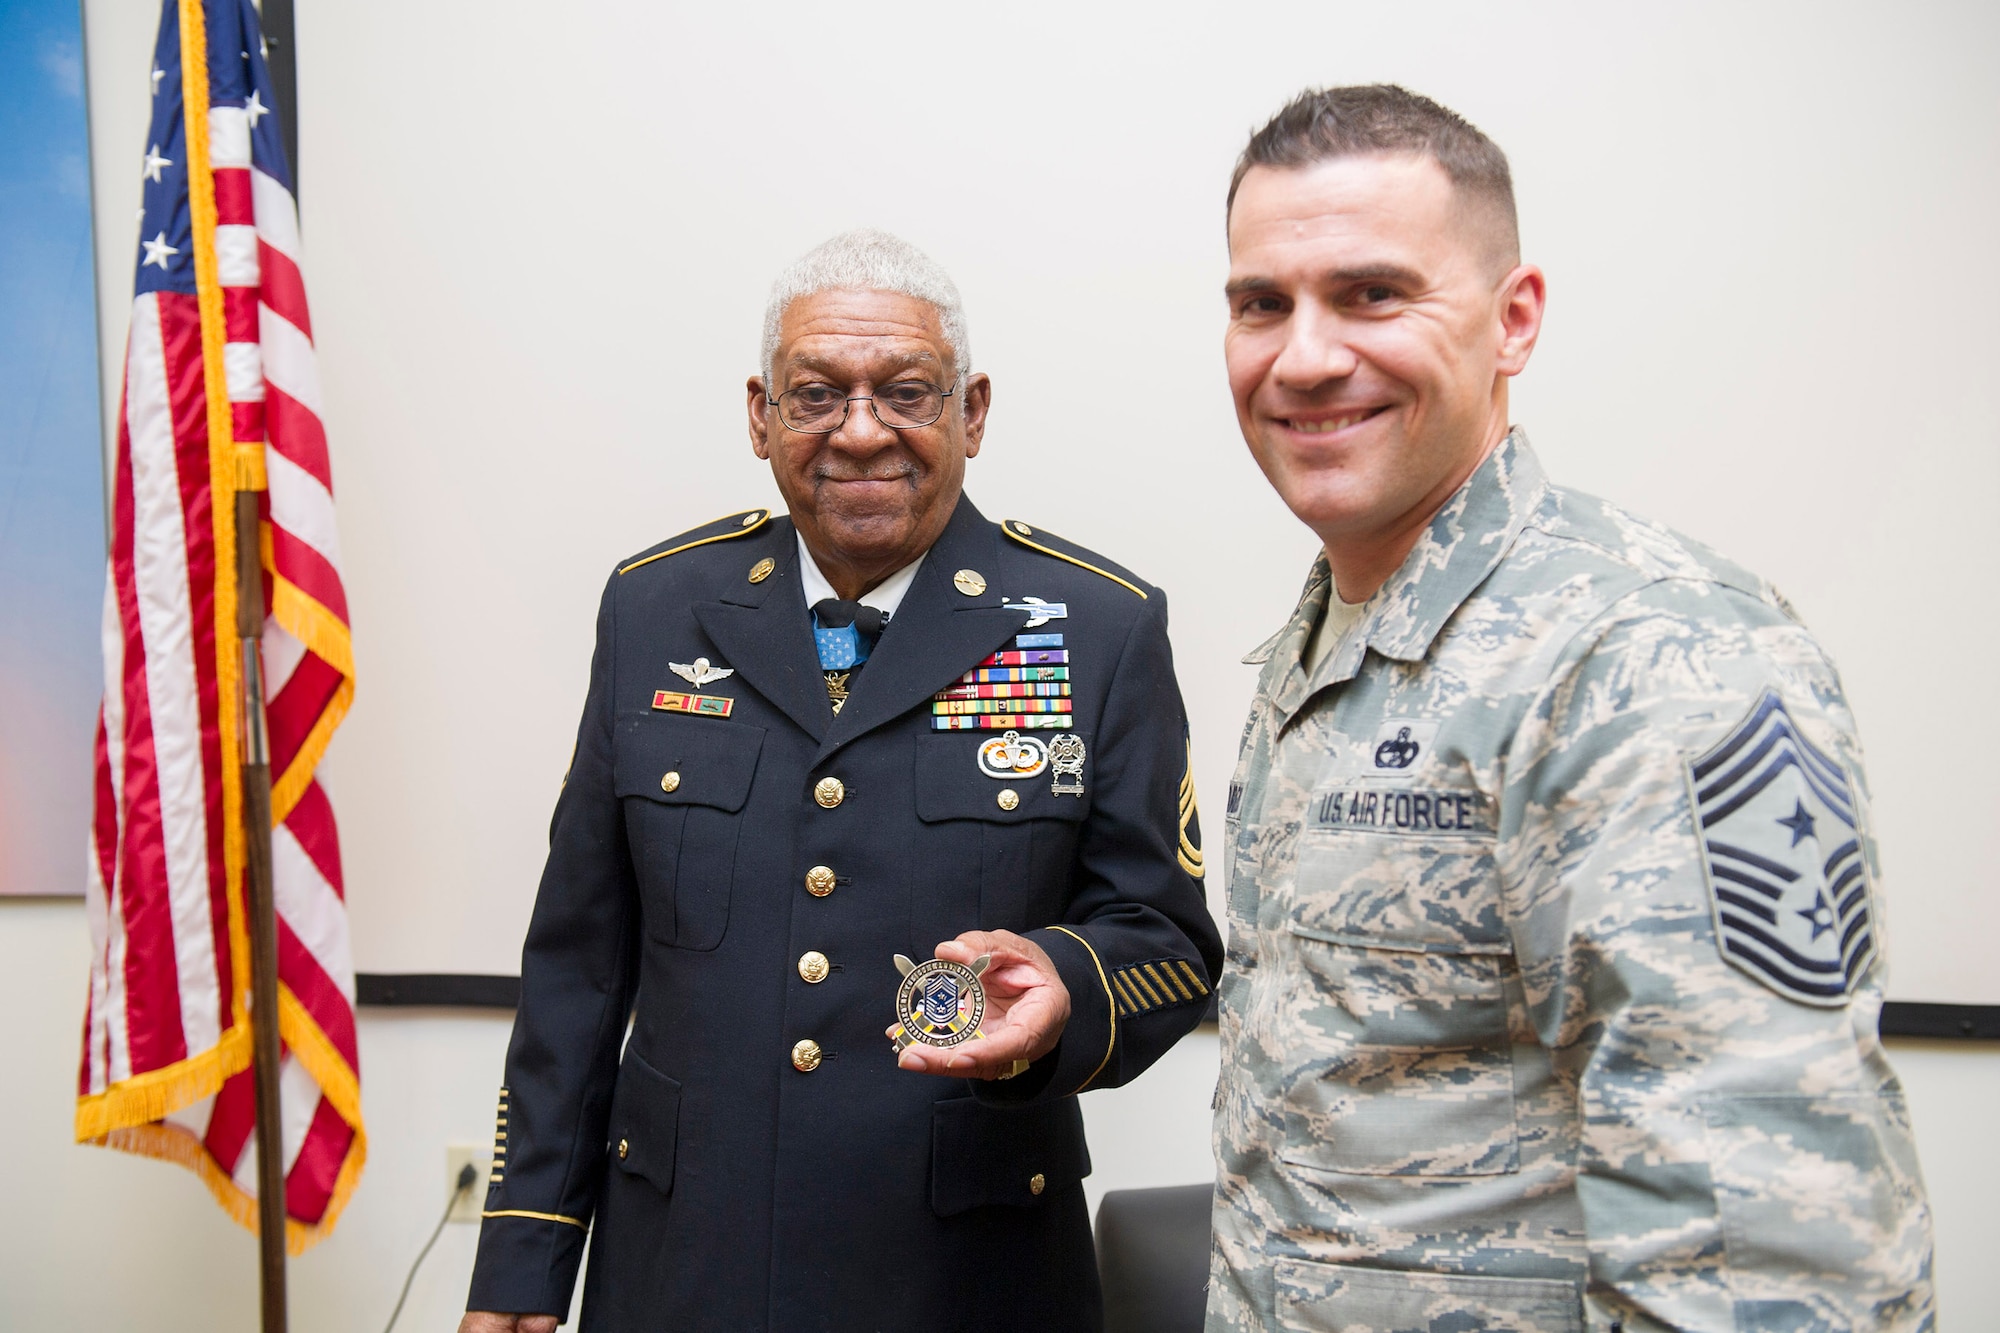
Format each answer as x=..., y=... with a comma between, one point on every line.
x=538, y=241
x=537, y=245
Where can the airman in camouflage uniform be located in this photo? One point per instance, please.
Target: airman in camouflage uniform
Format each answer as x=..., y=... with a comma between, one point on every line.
x=1555, y=954
x=1488, y=1050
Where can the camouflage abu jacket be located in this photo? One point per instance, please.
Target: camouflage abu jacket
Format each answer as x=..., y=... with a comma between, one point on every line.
x=1555, y=954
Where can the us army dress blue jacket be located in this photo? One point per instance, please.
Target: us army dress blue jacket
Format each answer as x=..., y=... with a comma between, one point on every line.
x=735, y=866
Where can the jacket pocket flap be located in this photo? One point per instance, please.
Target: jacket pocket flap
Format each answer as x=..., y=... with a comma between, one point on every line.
x=1324, y=1298
x=952, y=783
x=1416, y=894
x=1018, y=1156
x=685, y=760
x=645, y=1122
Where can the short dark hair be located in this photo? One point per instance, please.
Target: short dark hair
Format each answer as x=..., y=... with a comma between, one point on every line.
x=1363, y=120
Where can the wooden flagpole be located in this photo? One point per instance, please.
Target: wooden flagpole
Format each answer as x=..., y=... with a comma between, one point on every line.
x=263, y=914
x=275, y=21
x=277, y=29
x=237, y=470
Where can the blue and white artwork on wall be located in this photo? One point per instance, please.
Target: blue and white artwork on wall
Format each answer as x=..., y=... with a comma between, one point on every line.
x=51, y=453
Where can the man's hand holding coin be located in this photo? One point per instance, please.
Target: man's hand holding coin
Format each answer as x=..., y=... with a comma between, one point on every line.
x=1027, y=1007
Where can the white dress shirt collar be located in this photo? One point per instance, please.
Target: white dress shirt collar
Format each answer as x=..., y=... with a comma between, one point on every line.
x=884, y=597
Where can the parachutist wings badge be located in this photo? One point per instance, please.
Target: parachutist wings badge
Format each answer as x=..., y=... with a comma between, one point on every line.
x=698, y=672
x=1781, y=847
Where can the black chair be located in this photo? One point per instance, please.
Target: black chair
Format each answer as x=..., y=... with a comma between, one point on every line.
x=1152, y=1257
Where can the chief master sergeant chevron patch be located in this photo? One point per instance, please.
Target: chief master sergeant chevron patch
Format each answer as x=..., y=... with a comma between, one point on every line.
x=1782, y=848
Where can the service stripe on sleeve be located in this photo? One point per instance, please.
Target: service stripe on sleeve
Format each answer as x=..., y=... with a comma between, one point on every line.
x=1162, y=983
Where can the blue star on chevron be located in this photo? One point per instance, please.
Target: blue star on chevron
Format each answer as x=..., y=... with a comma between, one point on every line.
x=1819, y=915
x=1800, y=822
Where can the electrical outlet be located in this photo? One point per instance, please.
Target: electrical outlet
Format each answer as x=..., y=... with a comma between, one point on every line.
x=467, y=1206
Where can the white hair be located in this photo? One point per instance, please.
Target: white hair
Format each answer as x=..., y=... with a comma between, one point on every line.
x=871, y=261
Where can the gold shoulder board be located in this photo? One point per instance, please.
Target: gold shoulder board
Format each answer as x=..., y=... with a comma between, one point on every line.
x=1033, y=540
x=727, y=528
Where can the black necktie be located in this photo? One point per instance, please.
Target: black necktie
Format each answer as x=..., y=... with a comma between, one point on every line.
x=836, y=614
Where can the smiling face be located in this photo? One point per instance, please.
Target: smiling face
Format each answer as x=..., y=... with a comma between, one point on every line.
x=868, y=499
x=1371, y=333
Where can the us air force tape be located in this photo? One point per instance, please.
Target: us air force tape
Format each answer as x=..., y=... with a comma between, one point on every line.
x=940, y=1003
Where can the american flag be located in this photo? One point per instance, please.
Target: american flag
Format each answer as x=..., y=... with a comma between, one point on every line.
x=221, y=394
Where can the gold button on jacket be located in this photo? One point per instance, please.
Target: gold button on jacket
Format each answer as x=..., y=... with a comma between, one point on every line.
x=1037, y=1183
x=813, y=966
x=819, y=881
x=670, y=782
x=624, y=1148
x=830, y=792
x=806, y=1056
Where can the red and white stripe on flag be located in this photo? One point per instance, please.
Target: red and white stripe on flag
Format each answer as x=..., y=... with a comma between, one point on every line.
x=221, y=394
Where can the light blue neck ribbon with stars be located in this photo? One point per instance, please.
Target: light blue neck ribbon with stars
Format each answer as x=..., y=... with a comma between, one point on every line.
x=839, y=649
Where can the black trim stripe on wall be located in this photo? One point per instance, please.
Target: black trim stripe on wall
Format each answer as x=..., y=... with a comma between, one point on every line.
x=461, y=990
x=1961, y=1022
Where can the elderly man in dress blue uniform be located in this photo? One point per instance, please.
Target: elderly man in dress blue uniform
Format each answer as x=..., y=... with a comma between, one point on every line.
x=1554, y=952
x=814, y=746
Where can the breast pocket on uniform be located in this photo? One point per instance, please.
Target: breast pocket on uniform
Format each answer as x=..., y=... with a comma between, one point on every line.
x=1003, y=820
x=1404, y=1060
x=683, y=783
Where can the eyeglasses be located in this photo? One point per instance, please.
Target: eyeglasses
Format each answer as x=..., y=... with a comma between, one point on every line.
x=819, y=409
